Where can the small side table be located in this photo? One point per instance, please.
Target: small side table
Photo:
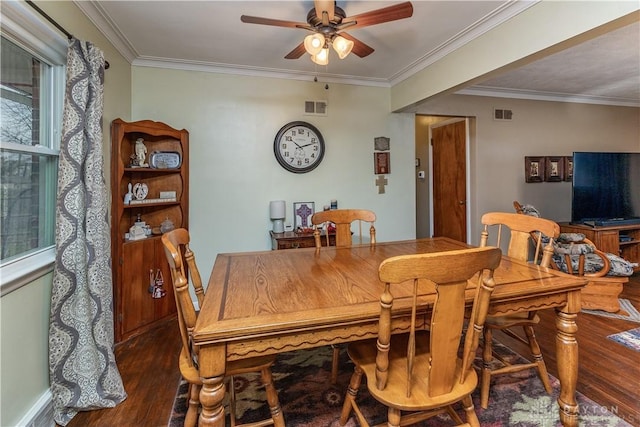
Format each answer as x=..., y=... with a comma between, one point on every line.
x=291, y=240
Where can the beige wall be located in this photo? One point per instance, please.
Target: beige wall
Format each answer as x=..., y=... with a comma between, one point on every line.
x=24, y=313
x=538, y=128
x=232, y=122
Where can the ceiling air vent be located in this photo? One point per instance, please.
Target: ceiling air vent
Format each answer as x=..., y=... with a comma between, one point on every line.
x=502, y=114
x=317, y=108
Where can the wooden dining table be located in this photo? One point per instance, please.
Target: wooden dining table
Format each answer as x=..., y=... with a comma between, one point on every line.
x=268, y=302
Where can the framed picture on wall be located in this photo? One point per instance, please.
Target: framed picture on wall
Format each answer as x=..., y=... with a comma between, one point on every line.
x=554, y=169
x=381, y=163
x=568, y=168
x=534, y=169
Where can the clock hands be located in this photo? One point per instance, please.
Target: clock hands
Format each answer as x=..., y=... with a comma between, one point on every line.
x=306, y=145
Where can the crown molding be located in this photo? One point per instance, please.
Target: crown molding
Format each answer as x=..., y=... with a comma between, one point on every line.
x=243, y=70
x=108, y=28
x=546, y=96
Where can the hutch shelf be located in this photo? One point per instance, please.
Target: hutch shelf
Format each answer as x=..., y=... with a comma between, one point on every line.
x=142, y=286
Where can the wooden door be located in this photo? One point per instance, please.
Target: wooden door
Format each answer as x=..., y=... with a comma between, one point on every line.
x=448, y=144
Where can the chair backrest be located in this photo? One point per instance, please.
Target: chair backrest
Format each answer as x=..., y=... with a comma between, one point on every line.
x=450, y=272
x=182, y=262
x=572, y=253
x=342, y=219
x=521, y=228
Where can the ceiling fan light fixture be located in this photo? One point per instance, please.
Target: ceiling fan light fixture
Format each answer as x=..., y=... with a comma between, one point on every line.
x=322, y=58
x=342, y=46
x=314, y=43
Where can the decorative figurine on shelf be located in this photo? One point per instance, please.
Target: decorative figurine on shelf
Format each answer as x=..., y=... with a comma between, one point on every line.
x=141, y=153
x=166, y=225
x=138, y=229
x=128, y=196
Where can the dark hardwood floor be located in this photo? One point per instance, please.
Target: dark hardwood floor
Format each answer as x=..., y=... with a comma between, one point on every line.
x=148, y=364
x=608, y=372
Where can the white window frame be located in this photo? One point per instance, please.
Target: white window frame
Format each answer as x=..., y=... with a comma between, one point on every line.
x=25, y=27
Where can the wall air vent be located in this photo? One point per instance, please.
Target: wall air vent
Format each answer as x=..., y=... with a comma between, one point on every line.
x=316, y=108
x=502, y=114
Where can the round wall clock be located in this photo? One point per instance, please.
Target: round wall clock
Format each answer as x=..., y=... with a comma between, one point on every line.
x=299, y=147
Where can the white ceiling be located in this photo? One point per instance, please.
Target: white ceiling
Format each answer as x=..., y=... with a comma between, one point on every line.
x=208, y=35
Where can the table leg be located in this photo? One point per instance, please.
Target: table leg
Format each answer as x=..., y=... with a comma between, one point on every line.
x=211, y=396
x=212, y=369
x=567, y=356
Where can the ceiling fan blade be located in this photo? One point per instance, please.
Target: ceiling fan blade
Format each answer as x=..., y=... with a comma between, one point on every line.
x=297, y=52
x=359, y=48
x=325, y=6
x=275, y=22
x=379, y=16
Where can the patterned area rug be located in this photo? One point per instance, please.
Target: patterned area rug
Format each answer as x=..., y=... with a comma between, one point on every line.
x=625, y=304
x=629, y=338
x=309, y=400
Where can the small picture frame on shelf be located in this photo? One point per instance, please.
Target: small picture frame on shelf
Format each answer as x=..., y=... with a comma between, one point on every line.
x=568, y=168
x=554, y=169
x=534, y=169
x=302, y=213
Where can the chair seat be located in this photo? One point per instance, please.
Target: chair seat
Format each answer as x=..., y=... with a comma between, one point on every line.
x=518, y=319
x=363, y=354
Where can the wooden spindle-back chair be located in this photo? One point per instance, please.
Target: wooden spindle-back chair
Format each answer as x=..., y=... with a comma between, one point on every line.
x=342, y=220
x=423, y=373
x=176, y=245
x=520, y=229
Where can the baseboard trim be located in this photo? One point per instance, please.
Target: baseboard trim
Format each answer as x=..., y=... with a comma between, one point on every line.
x=41, y=413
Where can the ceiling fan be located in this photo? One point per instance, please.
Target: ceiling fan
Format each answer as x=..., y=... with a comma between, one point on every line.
x=327, y=23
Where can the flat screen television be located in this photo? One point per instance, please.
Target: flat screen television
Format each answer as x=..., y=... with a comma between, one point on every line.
x=606, y=188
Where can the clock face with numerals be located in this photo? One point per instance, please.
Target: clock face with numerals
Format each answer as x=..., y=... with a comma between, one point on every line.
x=299, y=147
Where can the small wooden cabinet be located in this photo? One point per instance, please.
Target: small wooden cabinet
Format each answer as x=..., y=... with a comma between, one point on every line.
x=622, y=240
x=136, y=263
x=291, y=240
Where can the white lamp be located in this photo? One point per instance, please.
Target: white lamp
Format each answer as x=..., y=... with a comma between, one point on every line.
x=277, y=213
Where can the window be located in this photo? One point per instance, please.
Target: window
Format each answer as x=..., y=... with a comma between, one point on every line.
x=31, y=95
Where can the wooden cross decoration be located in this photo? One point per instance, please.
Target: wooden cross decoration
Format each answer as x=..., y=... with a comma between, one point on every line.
x=381, y=181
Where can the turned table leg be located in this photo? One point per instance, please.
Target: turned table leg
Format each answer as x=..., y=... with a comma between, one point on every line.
x=212, y=368
x=567, y=355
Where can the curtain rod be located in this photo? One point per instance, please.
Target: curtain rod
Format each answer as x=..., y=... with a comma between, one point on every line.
x=58, y=26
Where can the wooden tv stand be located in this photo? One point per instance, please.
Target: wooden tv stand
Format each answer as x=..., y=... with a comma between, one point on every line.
x=608, y=239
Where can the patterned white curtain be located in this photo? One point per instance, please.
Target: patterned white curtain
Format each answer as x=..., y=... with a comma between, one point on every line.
x=82, y=368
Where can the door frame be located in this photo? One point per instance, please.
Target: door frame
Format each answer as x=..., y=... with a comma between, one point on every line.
x=467, y=172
